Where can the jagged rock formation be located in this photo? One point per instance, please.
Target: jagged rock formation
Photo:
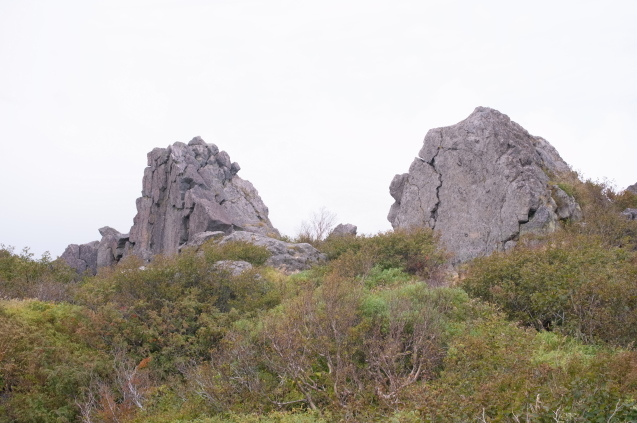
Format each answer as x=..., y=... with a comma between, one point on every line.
x=346, y=229
x=632, y=188
x=481, y=184
x=186, y=190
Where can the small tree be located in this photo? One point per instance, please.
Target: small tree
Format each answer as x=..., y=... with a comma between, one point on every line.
x=318, y=227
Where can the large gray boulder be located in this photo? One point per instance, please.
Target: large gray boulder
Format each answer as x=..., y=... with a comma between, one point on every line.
x=189, y=189
x=481, y=184
x=632, y=188
x=287, y=257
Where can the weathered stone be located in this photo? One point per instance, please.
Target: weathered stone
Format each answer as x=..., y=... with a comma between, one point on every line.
x=82, y=257
x=189, y=189
x=632, y=188
x=234, y=267
x=199, y=239
x=631, y=214
x=346, y=229
x=111, y=247
x=481, y=183
x=287, y=257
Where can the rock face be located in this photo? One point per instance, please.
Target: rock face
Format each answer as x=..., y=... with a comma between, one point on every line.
x=632, y=188
x=82, y=257
x=287, y=257
x=90, y=256
x=481, y=184
x=188, y=189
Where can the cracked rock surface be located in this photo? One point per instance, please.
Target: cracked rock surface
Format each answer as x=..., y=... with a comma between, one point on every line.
x=189, y=189
x=480, y=184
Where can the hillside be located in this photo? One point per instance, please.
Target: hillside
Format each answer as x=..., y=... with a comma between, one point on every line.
x=379, y=332
x=507, y=292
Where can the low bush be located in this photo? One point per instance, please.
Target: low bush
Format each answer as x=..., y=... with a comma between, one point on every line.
x=415, y=252
x=23, y=276
x=574, y=283
x=496, y=371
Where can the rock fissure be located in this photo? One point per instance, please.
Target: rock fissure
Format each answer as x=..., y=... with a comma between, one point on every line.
x=492, y=176
x=187, y=189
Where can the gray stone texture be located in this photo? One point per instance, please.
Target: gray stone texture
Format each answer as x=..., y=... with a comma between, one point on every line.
x=233, y=267
x=287, y=257
x=346, y=229
x=82, y=257
x=189, y=189
x=481, y=184
x=630, y=214
x=632, y=188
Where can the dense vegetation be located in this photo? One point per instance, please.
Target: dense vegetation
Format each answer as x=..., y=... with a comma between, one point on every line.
x=381, y=332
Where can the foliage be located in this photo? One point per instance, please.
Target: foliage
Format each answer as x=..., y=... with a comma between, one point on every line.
x=47, y=354
x=495, y=371
x=366, y=337
x=238, y=251
x=601, y=205
x=573, y=282
x=23, y=276
x=414, y=251
x=317, y=228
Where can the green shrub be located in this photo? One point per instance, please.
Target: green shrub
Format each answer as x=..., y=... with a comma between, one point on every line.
x=573, y=282
x=23, y=276
x=48, y=355
x=415, y=252
x=240, y=251
x=495, y=371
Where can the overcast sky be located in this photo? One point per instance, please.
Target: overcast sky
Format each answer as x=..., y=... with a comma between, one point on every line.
x=321, y=103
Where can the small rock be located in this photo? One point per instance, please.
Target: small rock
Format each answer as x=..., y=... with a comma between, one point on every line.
x=234, y=267
x=346, y=229
x=631, y=214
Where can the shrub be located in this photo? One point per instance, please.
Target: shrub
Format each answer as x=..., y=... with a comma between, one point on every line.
x=495, y=371
x=574, y=282
x=23, y=276
x=415, y=252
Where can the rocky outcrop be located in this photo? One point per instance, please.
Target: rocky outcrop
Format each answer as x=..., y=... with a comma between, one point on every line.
x=632, y=188
x=82, y=257
x=189, y=189
x=287, y=257
x=93, y=255
x=481, y=184
x=346, y=229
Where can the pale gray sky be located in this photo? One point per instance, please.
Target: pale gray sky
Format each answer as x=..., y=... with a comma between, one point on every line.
x=321, y=103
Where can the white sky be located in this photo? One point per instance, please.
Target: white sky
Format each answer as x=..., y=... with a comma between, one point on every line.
x=321, y=102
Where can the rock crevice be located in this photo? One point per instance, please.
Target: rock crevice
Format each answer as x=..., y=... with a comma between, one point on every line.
x=481, y=184
x=187, y=189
